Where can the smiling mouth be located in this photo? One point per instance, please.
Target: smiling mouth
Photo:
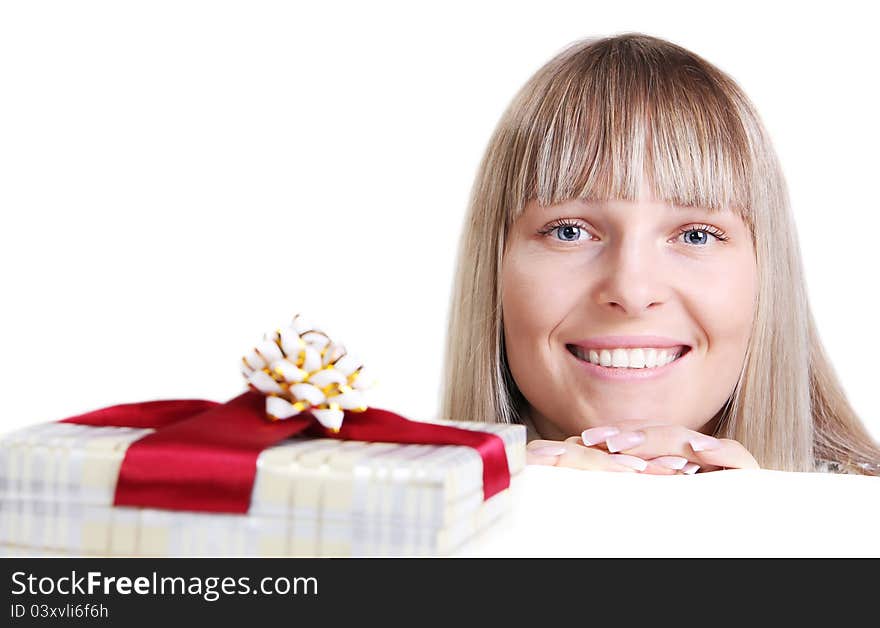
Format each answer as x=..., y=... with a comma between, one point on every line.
x=629, y=359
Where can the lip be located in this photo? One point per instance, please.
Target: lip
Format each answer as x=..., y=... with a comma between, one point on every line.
x=630, y=375
x=629, y=342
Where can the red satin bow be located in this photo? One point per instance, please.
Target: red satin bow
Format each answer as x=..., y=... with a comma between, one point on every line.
x=202, y=455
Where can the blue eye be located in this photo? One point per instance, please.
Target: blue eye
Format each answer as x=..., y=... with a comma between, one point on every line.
x=568, y=233
x=706, y=231
x=564, y=231
x=690, y=240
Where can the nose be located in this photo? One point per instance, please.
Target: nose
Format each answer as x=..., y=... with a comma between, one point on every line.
x=631, y=279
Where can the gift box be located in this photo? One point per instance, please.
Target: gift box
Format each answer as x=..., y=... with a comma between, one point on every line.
x=311, y=497
x=276, y=471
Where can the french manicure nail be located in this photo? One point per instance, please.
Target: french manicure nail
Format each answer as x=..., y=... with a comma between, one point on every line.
x=624, y=440
x=690, y=468
x=676, y=463
x=632, y=462
x=598, y=434
x=548, y=450
x=704, y=443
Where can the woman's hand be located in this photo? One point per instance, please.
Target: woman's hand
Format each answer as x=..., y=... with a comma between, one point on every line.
x=573, y=453
x=643, y=447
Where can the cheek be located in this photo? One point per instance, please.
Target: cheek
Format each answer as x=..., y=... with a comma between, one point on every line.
x=534, y=299
x=724, y=310
x=728, y=306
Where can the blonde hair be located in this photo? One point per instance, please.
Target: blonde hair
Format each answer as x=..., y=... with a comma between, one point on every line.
x=589, y=124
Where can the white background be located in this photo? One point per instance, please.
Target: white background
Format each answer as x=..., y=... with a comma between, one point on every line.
x=178, y=177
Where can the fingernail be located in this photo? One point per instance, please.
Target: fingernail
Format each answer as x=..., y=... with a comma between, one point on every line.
x=675, y=463
x=598, y=434
x=704, y=443
x=632, y=462
x=690, y=468
x=548, y=450
x=624, y=440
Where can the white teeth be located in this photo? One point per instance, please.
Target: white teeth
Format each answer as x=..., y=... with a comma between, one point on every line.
x=636, y=358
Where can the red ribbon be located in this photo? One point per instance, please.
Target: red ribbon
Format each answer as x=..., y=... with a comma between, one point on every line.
x=202, y=455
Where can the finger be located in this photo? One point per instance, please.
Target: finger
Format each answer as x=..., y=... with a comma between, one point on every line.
x=544, y=453
x=690, y=468
x=596, y=436
x=621, y=461
x=653, y=442
x=632, y=462
x=675, y=440
x=655, y=469
x=723, y=453
x=666, y=465
x=572, y=455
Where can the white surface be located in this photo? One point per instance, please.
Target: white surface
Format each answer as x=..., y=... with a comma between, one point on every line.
x=177, y=177
x=567, y=512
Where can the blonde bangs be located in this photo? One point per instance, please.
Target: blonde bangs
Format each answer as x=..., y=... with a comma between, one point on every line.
x=603, y=116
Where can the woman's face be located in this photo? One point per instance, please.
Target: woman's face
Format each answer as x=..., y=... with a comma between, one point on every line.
x=601, y=274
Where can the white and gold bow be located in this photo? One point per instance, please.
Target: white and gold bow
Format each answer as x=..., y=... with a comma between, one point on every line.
x=300, y=368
